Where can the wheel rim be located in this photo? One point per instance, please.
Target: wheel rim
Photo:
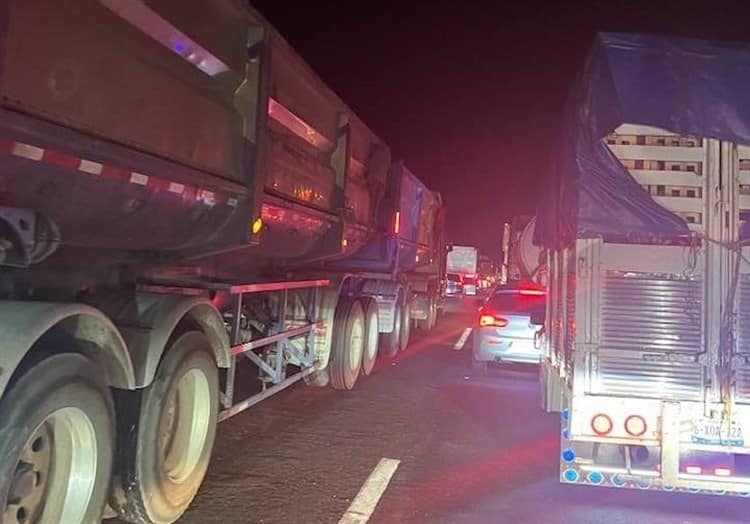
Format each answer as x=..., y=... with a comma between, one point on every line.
x=406, y=326
x=372, y=337
x=356, y=342
x=55, y=473
x=184, y=426
x=397, y=325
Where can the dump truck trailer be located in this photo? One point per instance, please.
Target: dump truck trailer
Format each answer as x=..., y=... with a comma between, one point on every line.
x=185, y=208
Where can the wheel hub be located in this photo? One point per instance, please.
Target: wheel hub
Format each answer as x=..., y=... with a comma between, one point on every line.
x=29, y=481
x=184, y=426
x=55, y=471
x=24, y=482
x=356, y=343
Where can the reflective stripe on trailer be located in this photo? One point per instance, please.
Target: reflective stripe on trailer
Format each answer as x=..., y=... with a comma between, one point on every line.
x=90, y=167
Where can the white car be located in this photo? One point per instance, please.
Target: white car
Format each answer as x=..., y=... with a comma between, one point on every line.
x=508, y=328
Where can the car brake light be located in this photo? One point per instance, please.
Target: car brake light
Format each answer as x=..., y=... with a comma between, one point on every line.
x=532, y=292
x=635, y=425
x=487, y=318
x=397, y=223
x=694, y=470
x=601, y=424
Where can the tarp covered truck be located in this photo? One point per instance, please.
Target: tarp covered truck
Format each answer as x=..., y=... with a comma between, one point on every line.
x=177, y=189
x=648, y=299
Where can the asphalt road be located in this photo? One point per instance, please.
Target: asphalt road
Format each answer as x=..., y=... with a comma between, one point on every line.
x=472, y=449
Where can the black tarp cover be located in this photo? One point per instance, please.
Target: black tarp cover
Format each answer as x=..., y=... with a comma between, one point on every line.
x=685, y=86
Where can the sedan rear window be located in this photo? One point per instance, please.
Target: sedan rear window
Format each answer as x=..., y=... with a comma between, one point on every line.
x=517, y=303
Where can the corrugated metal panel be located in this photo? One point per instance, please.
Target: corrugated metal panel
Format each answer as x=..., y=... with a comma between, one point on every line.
x=570, y=313
x=651, y=335
x=742, y=373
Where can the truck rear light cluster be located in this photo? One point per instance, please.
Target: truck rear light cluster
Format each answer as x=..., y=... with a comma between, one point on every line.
x=634, y=425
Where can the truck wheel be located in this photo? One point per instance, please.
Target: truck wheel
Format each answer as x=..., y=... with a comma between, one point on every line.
x=370, y=354
x=390, y=342
x=405, y=334
x=428, y=323
x=348, y=343
x=163, y=452
x=433, y=313
x=56, y=443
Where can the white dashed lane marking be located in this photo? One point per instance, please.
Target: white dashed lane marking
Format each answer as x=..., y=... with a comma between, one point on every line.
x=458, y=346
x=363, y=505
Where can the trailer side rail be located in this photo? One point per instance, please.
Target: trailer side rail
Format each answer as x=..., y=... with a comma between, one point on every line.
x=272, y=371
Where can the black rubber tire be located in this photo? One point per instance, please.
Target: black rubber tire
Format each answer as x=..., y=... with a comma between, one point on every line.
x=58, y=382
x=145, y=492
x=391, y=342
x=406, y=322
x=342, y=371
x=372, y=336
x=426, y=324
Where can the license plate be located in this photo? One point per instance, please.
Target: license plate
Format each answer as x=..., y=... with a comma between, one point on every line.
x=717, y=432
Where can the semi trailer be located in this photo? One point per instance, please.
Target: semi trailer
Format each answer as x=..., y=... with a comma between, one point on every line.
x=185, y=206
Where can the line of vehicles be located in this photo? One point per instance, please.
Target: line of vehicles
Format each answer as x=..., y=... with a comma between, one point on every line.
x=468, y=271
x=185, y=205
x=184, y=200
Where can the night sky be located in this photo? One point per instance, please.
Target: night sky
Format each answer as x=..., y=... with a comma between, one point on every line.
x=470, y=94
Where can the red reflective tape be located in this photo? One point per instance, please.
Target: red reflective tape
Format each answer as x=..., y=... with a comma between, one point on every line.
x=59, y=159
x=190, y=193
x=158, y=183
x=115, y=173
x=6, y=146
x=56, y=158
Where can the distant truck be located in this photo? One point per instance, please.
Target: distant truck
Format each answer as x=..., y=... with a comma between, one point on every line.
x=486, y=272
x=648, y=305
x=182, y=197
x=462, y=261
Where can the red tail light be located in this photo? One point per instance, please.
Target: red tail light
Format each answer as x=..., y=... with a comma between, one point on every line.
x=533, y=292
x=397, y=223
x=694, y=470
x=635, y=425
x=723, y=472
x=601, y=424
x=488, y=318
